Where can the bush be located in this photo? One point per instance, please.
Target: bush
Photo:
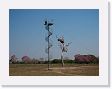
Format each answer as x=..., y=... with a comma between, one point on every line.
x=69, y=61
x=56, y=61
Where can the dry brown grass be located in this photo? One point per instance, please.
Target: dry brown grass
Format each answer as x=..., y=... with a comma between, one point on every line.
x=55, y=70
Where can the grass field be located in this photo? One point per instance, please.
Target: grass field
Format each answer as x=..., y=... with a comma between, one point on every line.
x=55, y=70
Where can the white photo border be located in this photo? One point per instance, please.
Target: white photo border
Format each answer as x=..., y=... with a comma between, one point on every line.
x=102, y=79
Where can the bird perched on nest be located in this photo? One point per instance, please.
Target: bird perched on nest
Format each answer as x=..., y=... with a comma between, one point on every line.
x=61, y=40
x=49, y=24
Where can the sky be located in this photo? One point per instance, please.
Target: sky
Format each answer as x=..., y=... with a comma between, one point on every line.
x=27, y=32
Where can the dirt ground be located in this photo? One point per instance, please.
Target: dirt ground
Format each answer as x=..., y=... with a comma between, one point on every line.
x=55, y=70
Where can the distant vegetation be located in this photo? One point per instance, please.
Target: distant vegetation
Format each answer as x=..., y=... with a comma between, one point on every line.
x=79, y=59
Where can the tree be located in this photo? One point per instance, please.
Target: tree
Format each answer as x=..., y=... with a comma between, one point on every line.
x=13, y=59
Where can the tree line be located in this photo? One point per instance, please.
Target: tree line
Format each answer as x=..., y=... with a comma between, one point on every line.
x=77, y=59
